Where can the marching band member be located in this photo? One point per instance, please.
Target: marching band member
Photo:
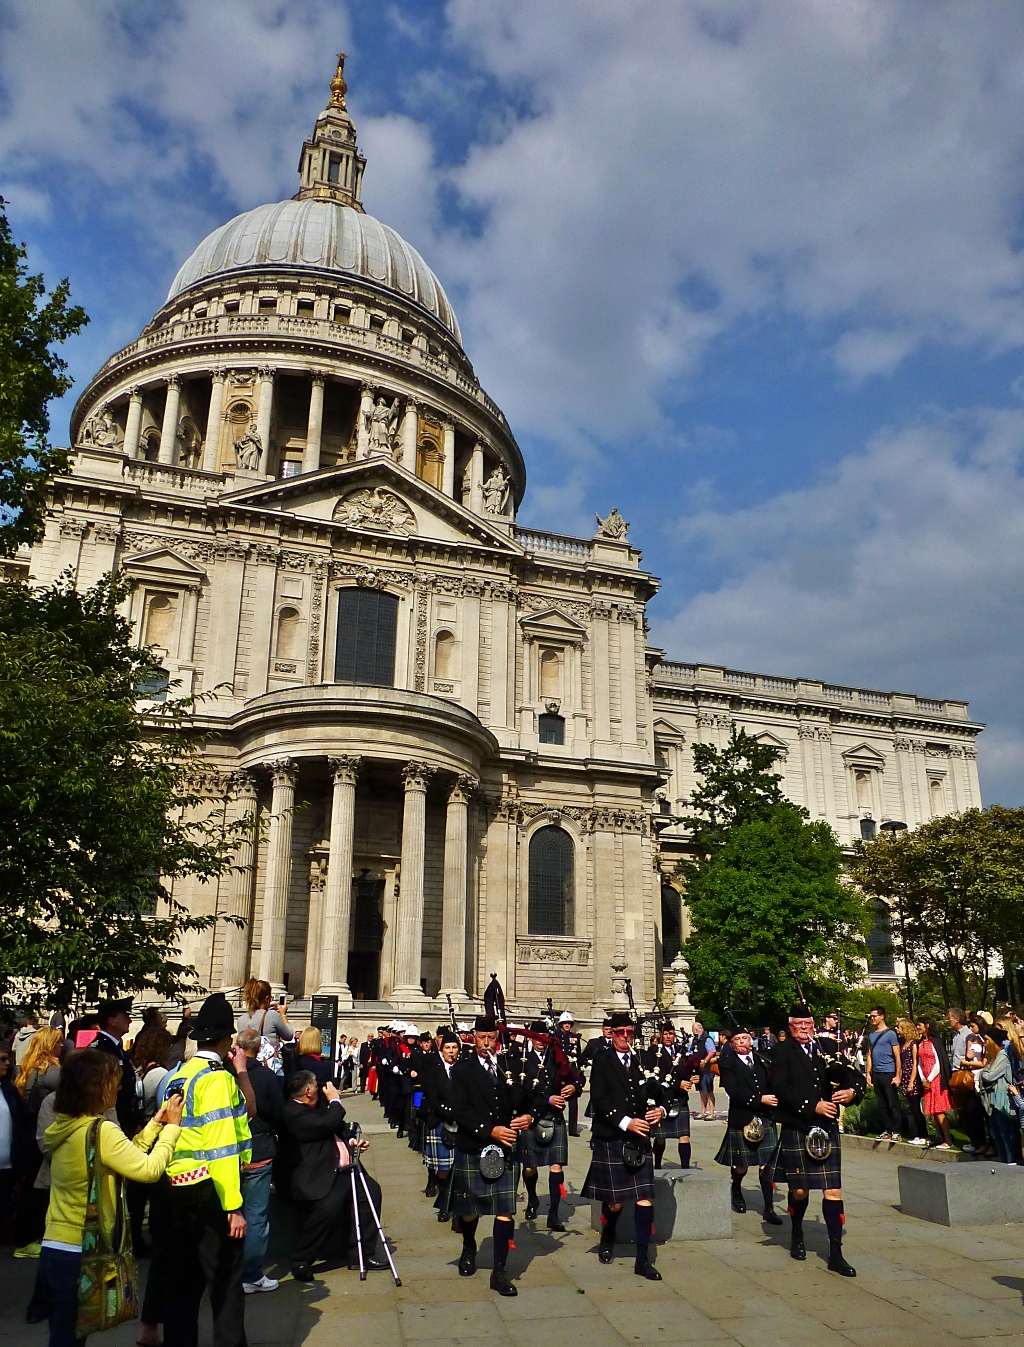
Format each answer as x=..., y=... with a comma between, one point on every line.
x=676, y=1071
x=750, y=1135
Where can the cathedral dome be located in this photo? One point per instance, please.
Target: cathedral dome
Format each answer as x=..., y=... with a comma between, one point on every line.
x=318, y=234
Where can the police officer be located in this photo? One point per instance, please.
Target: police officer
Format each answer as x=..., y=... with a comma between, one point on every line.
x=200, y=1241
x=750, y=1134
x=114, y=1018
x=812, y=1085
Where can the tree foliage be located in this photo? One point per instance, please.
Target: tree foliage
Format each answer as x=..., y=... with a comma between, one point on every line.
x=956, y=889
x=31, y=374
x=101, y=807
x=770, y=902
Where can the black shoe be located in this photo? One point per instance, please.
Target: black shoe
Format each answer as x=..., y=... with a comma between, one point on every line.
x=556, y=1224
x=442, y=1217
x=531, y=1212
x=369, y=1265
x=431, y=1190
x=399, y=1135
x=796, y=1248
x=605, y=1252
x=739, y=1202
x=770, y=1217
x=502, y=1283
x=657, y=1163
x=646, y=1269
x=467, y=1263
x=302, y=1272
x=837, y=1263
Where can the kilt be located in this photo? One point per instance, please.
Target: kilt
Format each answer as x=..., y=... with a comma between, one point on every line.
x=737, y=1153
x=468, y=1193
x=608, y=1179
x=669, y=1127
x=556, y=1153
x=435, y=1153
x=799, y=1170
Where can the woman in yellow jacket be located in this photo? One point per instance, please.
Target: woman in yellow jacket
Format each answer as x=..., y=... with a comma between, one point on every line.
x=88, y=1088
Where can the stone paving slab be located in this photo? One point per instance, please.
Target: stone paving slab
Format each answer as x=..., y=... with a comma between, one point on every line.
x=918, y=1284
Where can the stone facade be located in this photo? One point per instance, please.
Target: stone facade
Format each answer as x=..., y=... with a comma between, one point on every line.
x=296, y=445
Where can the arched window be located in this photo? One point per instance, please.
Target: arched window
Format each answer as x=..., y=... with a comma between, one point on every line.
x=880, y=958
x=430, y=463
x=550, y=673
x=552, y=882
x=161, y=612
x=367, y=627
x=444, y=655
x=671, y=924
x=937, y=797
x=289, y=624
x=151, y=446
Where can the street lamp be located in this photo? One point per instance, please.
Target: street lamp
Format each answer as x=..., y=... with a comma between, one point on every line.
x=894, y=826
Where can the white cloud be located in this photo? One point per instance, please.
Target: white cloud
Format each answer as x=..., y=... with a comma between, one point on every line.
x=903, y=570
x=870, y=351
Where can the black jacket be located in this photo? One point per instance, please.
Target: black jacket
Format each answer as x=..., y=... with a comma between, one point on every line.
x=480, y=1101
x=594, y=1046
x=616, y=1094
x=437, y=1091
x=800, y=1082
x=313, y=1132
x=674, y=1071
x=269, y=1093
x=129, y=1103
x=321, y=1067
x=745, y=1085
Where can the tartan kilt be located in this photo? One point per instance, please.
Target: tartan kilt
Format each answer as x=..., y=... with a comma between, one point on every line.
x=435, y=1153
x=799, y=1170
x=533, y=1156
x=736, y=1152
x=608, y=1179
x=468, y=1193
x=676, y=1127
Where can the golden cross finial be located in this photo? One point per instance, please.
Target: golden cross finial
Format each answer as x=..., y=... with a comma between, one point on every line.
x=338, y=86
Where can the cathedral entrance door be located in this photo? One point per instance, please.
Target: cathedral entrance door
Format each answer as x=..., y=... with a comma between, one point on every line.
x=368, y=936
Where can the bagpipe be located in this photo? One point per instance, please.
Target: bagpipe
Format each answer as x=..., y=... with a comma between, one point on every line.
x=564, y=1071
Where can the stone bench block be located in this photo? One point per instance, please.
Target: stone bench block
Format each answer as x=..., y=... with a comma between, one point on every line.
x=688, y=1204
x=977, y=1194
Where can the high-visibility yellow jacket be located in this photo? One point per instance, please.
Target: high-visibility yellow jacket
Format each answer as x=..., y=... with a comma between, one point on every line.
x=214, y=1129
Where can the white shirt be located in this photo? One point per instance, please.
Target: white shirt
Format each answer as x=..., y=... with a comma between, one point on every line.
x=748, y=1060
x=113, y=1037
x=488, y=1064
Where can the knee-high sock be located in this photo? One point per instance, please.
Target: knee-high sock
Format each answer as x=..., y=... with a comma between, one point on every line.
x=684, y=1155
x=659, y=1149
x=554, y=1194
x=737, y=1177
x=832, y=1210
x=530, y=1179
x=797, y=1207
x=609, y=1220
x=767, y=1189
x=468, y=1236
x=644, y=1219
x=502, y=1234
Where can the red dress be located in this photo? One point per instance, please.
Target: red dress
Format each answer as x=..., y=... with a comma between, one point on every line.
x=936, y=1099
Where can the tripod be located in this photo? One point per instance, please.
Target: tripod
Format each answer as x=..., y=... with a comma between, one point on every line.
x=357, y=1169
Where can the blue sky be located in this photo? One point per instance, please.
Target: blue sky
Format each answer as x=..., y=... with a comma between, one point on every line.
x=751, y=272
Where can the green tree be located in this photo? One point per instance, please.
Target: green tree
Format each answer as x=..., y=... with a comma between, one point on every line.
x=102, y=808
x=956, y=889
x=31, y=374
x=770, y=903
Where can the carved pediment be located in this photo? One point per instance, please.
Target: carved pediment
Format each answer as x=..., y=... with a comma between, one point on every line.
x=164, y=566
x=667, y=733
x=375, y=508
x=864, y=756
x=553, y=625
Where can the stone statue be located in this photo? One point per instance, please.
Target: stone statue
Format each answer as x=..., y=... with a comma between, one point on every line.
x=249, y=450
x=101, y=430
x=496, y=490
x=376, y=508
x=613, y=526
x=381, y=426
x=467, y=485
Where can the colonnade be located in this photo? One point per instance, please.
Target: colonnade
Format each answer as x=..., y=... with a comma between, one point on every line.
x=332, y=915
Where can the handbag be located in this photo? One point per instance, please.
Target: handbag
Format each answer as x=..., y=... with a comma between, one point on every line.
x=492, y=1163
x=108, y=1285
x=961, y=1079
x=635, y=1153
x=544, y=1131
x=754, y=1131
x=818, y=1144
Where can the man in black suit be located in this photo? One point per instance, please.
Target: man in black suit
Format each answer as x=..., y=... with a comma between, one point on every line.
x=626, y=1105
x=365, y=1054
x=320, y=1174
x=114, y=1022
x=811, y=1086
x=744, y=1078
x=491, y=1105
x=596, y=1045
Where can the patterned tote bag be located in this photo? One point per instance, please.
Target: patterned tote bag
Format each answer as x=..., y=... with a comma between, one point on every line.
x=108, y=1288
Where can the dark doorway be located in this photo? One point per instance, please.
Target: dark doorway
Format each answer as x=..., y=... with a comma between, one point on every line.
x=368, y=936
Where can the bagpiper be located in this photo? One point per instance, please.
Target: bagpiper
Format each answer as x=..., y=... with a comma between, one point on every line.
x=750, y=1137
x=546, y=1142
x=438, y=1151
x=626, y=1105
x=676, y=1071
x=491, y=1106
x=811, y=1086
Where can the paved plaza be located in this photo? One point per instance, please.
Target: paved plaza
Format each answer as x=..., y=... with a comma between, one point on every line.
x=918, y=1285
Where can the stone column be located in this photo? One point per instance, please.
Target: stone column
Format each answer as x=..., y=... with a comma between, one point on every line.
x=284, y=774
x=187, y=637
x=264, y=415
x=410, y=900
x=169, y=426
x=476, y=479
x=453, y=932
x=448, y=475
x=211, y=444
x=133, y=425
x=314, y=427
x=235, y=962
x=365, y=409
x=410, y=432
x=337, y=909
